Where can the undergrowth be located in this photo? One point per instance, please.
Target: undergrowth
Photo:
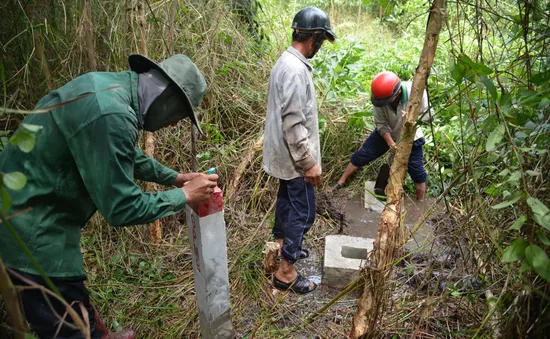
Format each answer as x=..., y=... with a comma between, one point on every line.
x=488, y=147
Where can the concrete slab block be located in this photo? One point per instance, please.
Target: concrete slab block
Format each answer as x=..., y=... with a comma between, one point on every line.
x=343, y=258
x=370, y=201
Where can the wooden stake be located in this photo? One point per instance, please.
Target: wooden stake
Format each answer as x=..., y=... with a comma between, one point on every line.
x=377, y=270
x=271, y=254
x=155, y=228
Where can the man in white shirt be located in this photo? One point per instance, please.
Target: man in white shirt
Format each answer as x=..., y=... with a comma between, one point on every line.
x=291, y=150
x=390, y=97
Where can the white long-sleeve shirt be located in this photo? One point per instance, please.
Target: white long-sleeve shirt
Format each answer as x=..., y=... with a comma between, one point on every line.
x=291, y=140
x=389, y=120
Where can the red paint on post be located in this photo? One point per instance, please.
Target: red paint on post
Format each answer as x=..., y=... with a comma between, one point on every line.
x=212, y=205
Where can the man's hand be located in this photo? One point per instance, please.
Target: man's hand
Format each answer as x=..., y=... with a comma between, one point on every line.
x=313, y=175
x=389, y=141
x=200, y=188
x=182, y=178
x=393, y=147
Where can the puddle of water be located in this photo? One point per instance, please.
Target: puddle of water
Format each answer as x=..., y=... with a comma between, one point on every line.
x=316, y=279
x=311, y=267
x=362, y=222
x=365, y=223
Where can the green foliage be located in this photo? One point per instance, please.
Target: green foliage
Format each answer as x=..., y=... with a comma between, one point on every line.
x=538, y=260
x=541, y=213
x=14, y=180
x=515, y=251
x=25, y=140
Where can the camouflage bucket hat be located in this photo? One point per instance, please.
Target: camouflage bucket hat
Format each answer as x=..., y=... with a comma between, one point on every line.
x=183, y=73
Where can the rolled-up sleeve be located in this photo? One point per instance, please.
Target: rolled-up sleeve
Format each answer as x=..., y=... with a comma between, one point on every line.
x=293, y=105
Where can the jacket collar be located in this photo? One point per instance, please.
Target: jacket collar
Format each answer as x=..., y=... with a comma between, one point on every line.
x=134, y=104
x=300, y=56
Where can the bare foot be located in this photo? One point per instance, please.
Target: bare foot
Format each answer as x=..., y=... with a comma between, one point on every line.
x=287, y=273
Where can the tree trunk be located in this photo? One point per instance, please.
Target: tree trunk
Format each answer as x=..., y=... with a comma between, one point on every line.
x=377, y=270
x=89, y=36
x=11, y=301
x=39, y=10
x=155, y=228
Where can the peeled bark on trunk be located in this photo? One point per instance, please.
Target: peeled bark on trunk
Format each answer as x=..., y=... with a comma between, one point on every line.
x=11, y=302
x=243, y=165
x=89, y=36
x=377, y=269
x=155, y=228
x=271, y=253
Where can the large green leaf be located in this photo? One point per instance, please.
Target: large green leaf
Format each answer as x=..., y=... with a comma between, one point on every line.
x=540, y=78
x=542, y=237
x=541, y=213
x=539, y=261
x=515, y=176
x=512, y=199
x=519, y=222
x=477, y=67
x=515, y=251
x=14, y=180
x=24, y=139
x=490, y=86
x=6, y=200
x=457, y=71
x=495, y=138
x=31, y=128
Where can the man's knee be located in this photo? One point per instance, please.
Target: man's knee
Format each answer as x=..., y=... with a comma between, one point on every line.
x=418, y=175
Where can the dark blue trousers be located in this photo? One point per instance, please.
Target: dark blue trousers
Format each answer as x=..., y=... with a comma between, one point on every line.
x=41, y=317
x=294, y=215
x=375, y=146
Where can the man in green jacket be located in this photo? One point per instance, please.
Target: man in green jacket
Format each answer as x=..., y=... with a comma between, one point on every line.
x=85, y=160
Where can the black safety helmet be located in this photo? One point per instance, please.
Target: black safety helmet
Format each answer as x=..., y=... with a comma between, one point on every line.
x=313, y=19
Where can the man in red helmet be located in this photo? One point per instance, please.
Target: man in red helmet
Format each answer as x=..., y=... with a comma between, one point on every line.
x=390, y=97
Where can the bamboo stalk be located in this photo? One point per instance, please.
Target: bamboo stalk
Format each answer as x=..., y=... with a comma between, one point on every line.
x=377, y=270
x=37, y=37
x=155, y=228
x=88, y=31
x=15, y=314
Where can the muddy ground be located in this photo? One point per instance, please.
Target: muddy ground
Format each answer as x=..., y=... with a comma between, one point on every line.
x=428, y=268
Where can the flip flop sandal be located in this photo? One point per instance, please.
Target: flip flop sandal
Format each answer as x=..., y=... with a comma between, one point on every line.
x=304, y=253
x=299, y=285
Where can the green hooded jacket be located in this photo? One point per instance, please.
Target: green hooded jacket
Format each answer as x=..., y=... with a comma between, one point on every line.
x=84, y=160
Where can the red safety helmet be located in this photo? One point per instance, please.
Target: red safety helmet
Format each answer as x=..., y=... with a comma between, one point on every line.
x=384, y=88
